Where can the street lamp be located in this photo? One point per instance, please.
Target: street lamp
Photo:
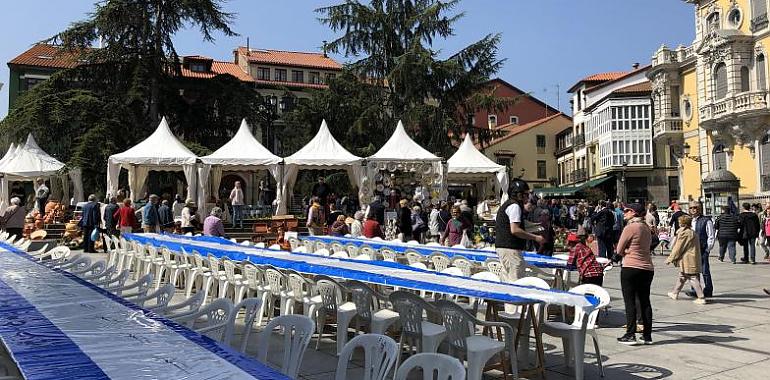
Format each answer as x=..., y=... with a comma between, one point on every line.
x=686, y=153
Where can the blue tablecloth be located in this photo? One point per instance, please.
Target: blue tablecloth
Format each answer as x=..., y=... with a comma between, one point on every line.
x=58, y=326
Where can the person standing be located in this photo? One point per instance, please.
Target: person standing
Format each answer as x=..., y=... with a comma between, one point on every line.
x=728, y=227
x=511, y=237
x=189, y=217
x=637, y=272
x=404, y=220
x=765, y=223
x=13, y=219
x=686, y=255
x=376, y=209
x=673, y=223
x=212, y=225
x=418, y=224
x=125, y=217
x=433, y=225
x=110, y=224
x=444, y=216
x=339, y=228
x=150, y=216
x=603, y=222
x=89, y=221
x=357, y=227
x=704, y=230
x=236, y=200
x=178, y=206
x=316, y=217
x=322, y=191
x=41, y=196
x=166, y=217
x=750, y=229
x=453, y=235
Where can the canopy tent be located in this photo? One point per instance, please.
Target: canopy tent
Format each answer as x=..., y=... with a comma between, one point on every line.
x=161, y=151
x=242, y=153
x=401, y=153
x=322, y=152
x=27, y=162
x=468, y=164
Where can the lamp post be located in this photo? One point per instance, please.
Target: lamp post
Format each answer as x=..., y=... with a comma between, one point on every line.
x=623, y=181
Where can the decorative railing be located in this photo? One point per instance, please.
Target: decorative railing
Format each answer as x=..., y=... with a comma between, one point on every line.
x=729, y=106
x=667, y=126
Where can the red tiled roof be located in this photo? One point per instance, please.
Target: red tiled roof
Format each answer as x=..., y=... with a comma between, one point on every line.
x=290, y=58
x=290, y=84
x=218, y=68
x=645, y=86
x=515, y=129
x=44, y=55
x=600, y=77
x=627, y=74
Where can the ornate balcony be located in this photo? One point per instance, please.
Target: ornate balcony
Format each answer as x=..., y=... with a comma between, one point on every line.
x=579, y=140
x=734, y=109
x=667, y=128
x=579, y=175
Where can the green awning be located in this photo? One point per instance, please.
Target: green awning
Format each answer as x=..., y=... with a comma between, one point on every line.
x=595, y=182
x=556, y=191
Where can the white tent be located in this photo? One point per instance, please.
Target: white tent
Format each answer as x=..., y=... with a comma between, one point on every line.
x=27, y=162
x=468, y=164
x=242, y=153
x=322, y=152
x=400, y=152
x=162, y=151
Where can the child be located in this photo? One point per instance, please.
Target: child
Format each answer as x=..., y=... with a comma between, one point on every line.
x=582, y=258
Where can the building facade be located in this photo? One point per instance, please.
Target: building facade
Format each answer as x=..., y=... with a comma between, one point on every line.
x=525, y=110
x=612, y=140
x=713, y=100
x=528, y=150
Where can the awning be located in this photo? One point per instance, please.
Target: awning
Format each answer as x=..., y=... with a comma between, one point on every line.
x=595, y=182
x=568, y=191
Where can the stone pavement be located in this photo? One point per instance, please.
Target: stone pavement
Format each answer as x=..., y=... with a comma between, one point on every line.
x=726, y=339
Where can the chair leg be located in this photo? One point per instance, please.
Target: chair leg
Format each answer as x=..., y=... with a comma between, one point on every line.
x=343, y=322
x=174, y=276
x=190, y=283
x=578, y=349
x=598, y=355
x=239, y=290
x=222, y=291
x=206, y=287
x=159, y=279
x=320, y=324
x=567, y=351
x=288, y=306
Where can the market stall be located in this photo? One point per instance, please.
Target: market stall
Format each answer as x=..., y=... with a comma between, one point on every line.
x=161, y=151
x=243, y=153
x=323, y=152
x=468, y=165
x=404, y=168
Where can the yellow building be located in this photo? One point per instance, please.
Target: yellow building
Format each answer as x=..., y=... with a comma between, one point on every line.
x=711, y=102
x=528, y=150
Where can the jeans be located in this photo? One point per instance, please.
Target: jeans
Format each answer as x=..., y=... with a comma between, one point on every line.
x=708, y=286
x=237, y=215
x=749, y=250
x=635, y=283
x=729, y=246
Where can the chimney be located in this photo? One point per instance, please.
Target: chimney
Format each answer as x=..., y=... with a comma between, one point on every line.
x=248, y=50
x=635, y=66
x=323, y=47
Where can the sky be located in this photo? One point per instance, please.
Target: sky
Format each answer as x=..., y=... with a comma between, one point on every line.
x=547, y=44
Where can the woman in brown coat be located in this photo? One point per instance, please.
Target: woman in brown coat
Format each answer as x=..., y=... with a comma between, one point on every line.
x=686, y=255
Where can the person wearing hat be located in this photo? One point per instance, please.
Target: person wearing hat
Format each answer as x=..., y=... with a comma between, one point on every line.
x=511, y=237
x=357, y=224
x=582, y=258
x=637, y=272
x=189, y=217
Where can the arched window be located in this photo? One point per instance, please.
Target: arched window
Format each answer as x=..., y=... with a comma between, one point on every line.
x=720, y=81
x=761, y=76
x=764, y=156
x=712, y=22
x=719, y=156
x=744, y=79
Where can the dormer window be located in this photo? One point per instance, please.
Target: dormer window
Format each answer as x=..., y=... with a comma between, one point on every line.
x=198, y=67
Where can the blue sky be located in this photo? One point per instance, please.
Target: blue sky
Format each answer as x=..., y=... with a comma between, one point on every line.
x=546, y=42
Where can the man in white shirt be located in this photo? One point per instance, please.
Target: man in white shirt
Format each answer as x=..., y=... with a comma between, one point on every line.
x=236, y=200
x=511, y=238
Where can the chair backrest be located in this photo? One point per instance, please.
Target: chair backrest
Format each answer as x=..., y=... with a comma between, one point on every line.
x=217, y=314
x=166, y=253
x=164, y=295
x=494, y=266
x=410, y=308
x=59, y=252
x=389, y=255
x=234, y=240
x=198, y=260
x=419, y=266
x=252, y=306
x=213, y=262
x=97, y=267
x=297, y=331
x=294, y=243
x=413, y=257
x=486, y=276
x=298, y=285
x=331, y=293
x=464, y=264
x=321, y=252
x=454, y=271
x=253, y=275
x=363, y=296
x=276, y=280
x=246, y=243
x=260, y=244
x=535, y=282
x=432, y=244
x=434, y=366
x=413, y=242
x=380, y=353
x=352, y=250
x=458, y=323
x=151, y=250
x=143, y=284
x=439, y=260
x=229, y=269
x=341, y=254
x=367, y=250
x=596, y=291
x=309, y=246
x=321, y=245
x=337, y=247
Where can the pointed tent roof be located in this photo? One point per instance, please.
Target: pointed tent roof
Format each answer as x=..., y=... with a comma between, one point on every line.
x=243, y=149
x=468, y=159
x=29, y=161
x=8, y=154
x=161, y=148
x=400, y=147
x=322, y=150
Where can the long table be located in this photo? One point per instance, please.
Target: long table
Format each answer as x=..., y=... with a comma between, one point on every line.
x=374, y=272
x=58, y=326
x=479, y=255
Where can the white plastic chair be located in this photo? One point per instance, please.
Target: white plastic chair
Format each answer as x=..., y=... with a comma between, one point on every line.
x=371, y=308
x=512, y=313
x=413, y=242
x=39, y=251
x=192, y=304
x=464, y=264
x=253, y=307
x=434, y=366
x=232, y=279
x=414, y=257
x=340, y=255
x=199, y=270
x=142, y=285
x=415, y=331
x=432, y=244
x=389, y=255
x=379, y=356
x=161, y=296
x=439, y=260
x=494, y=266
x=296, y=331
x=572, y=338
x=419, y=266
x=217, y=314
x=333, y=305
x=300, y=292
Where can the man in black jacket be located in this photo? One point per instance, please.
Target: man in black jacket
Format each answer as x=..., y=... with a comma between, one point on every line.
x=750, y=232
x=602, y=222
x=728, y=228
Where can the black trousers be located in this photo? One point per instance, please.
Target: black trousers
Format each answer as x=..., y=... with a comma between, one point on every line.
x=635, y=284
x=88, y=244
x=598, y=280
x=15, y=231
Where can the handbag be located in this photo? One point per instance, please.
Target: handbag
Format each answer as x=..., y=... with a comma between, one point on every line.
x=95, y=234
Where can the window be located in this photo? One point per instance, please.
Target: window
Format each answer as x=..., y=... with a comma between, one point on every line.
x=734, y=18
x=470, y=119
x=198, y=67
x=687, y=106
x=298, y=76
x=674, y=101
x=540, y=142
x=761, y=76
x=315, y=77
x=758, y=14
x=29, y=83
x=505, y=161
x=719, y=155
x=330, y=77
x=720, y=81
x=287, y=104
x=263, y=73
x=764, y=155
x=541, y=170
x=744, y=79
x=280, y=75
x=514, y=120
x=712, y=22
x=492, y=121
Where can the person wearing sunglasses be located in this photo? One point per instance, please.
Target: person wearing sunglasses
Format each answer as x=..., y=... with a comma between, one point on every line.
x=511, y=236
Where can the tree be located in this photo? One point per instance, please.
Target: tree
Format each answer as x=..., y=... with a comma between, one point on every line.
x=393, y=39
